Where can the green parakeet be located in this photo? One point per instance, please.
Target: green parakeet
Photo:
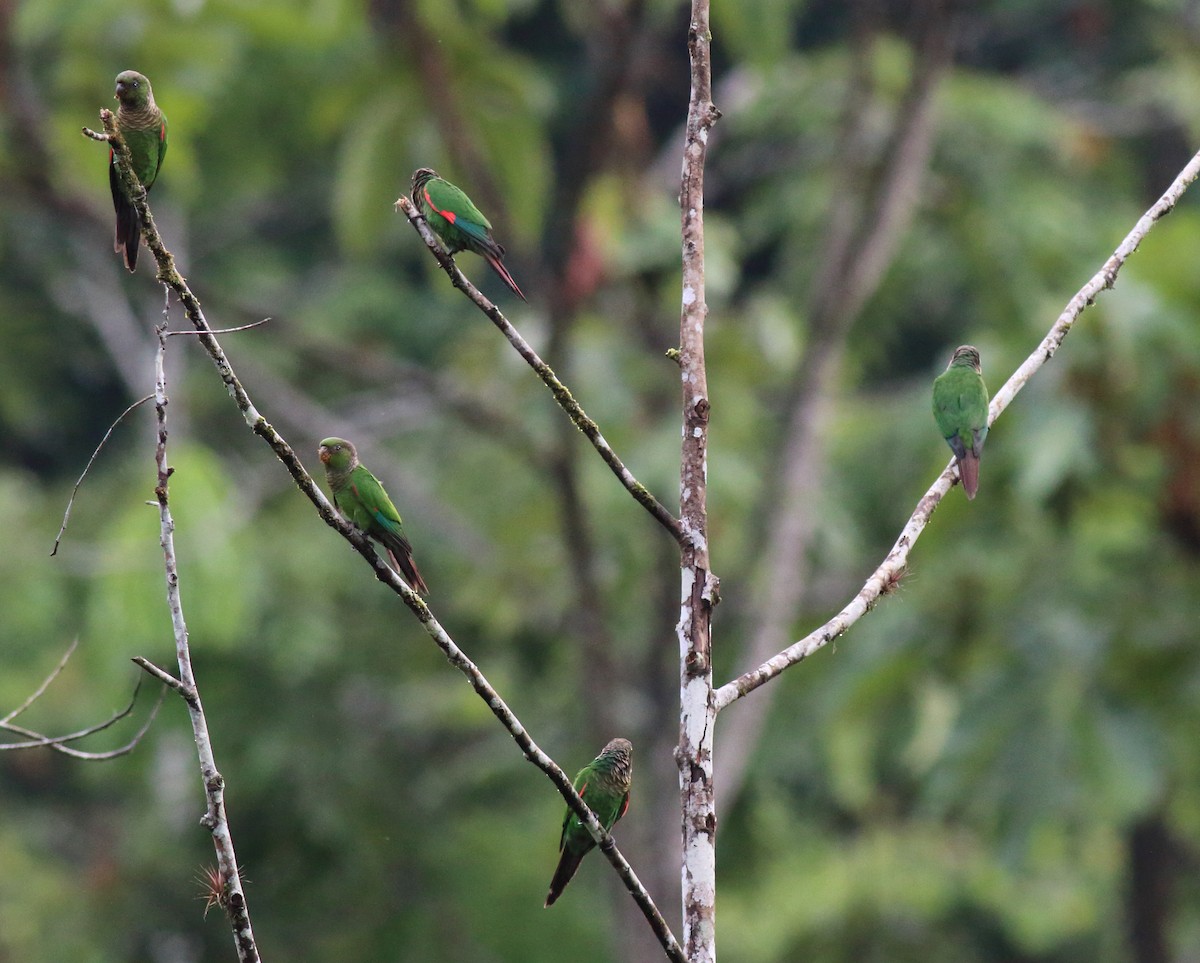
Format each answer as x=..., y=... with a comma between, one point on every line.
x=960, y=407
x=144, y=128
x=604, y=785
x=362, y=500
x=458, y=222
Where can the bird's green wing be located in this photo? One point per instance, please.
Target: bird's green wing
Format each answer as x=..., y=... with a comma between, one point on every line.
x=447, y=199
x=379, y=514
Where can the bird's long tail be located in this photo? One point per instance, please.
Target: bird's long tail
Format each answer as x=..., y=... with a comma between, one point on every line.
x=499, y=268
x=129, y=231
x=567, y=864
x=968, y=471
x=402, y=562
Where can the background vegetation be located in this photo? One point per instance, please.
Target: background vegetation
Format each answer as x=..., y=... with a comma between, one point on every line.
x=999, y=764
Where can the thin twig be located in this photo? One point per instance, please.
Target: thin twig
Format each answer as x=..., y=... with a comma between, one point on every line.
x=88, y=467
x=164, y=677
x=242, y=327
x=58, y=743
x=171, y=278
x=562, y=395
x=892, y=567
x=37, y=693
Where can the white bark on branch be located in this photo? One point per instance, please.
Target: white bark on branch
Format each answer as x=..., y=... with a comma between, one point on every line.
x=699, y=588
x=892, y=568
x=231, y=898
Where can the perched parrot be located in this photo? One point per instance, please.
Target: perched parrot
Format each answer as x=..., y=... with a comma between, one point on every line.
x=604, y=785
x=362, y=500
x=458, y=222
x=144, y=128
x=960, y=407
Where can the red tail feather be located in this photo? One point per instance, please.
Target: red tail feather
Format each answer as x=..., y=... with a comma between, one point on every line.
x=968, y=471
x=507, y=278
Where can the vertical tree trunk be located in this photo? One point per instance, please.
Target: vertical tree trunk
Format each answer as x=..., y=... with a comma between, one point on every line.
x=1148, y=900
x=699, y=585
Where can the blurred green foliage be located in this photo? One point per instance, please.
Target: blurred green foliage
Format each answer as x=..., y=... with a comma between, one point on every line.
x=960, y=778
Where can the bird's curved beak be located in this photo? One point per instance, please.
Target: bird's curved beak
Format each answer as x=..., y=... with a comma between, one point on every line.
x=120, y=90
x=323, y=454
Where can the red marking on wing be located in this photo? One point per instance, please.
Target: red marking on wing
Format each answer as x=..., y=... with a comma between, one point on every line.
x=162, y=132
x=624, y=807
x=583, y=790
x=448, y=215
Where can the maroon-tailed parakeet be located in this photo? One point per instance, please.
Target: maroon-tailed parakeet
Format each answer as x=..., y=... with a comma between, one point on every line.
x=363, y=502
x=144, y=128
x=960, y=407
x=604, y=785
x=458, y=222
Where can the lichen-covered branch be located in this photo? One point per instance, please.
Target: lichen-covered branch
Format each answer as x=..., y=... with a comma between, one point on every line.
x=170, y=277
x=892, y=567
x=699, y=591
x=561, y=393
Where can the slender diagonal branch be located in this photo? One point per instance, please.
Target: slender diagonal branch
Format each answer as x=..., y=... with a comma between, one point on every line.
x=171, y=278
x=79, y=481
x=892, y=567
x=562, y=395
x=215, y=819
x=37, y=693
x=59, y=743
x=869, y=215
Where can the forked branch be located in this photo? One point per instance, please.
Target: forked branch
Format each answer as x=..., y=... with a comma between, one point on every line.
x=892, y=567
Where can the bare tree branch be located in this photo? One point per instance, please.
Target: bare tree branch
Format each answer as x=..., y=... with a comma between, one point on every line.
x=37, y=693
x=892, y=567
x=868, y=218
x=562, y=395
x=79, y=481
x=58, y=743
x=171, y=278
x=240, y=327
x=215, y=819
x=700, y=588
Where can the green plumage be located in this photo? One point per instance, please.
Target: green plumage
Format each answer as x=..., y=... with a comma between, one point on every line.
x=960, y=407
x=604, y=785
x=144, y=129
x=458, y=222
x=362, y=500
